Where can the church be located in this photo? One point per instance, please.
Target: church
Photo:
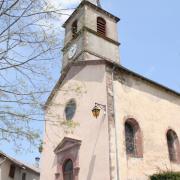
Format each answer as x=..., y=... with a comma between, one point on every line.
x=103, y=121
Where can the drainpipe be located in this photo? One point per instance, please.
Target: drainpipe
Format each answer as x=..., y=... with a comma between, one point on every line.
x=115, y=120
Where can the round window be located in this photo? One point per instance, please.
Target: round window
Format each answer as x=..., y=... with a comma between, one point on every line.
x=70, y=109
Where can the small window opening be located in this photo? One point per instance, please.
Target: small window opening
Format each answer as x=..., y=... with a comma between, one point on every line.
x=12, y=171
x=74, y=29
x=101, y=26
x=24, y=176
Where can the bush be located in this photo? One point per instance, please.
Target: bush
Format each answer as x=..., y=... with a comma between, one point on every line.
x=166, y=176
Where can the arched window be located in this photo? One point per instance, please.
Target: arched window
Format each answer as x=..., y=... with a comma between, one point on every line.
x=133, y=138
x=74, y=29
x=68, y=170
x=173, y=146
x=101, y=26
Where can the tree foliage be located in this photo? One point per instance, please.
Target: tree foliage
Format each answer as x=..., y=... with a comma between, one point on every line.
x=29, y=45
x=169, y=175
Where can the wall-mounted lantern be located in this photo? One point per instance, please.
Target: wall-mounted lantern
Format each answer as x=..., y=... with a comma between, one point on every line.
x=97, y=109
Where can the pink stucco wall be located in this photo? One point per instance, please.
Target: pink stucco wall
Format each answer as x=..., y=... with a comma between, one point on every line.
x=87, y=85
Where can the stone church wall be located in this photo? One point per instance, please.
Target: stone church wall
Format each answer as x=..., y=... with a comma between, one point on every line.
x=156, y=111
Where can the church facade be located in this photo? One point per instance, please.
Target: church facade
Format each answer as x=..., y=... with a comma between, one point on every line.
x=103, y=121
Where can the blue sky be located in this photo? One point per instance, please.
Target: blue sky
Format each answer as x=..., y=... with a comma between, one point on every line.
x=149, y=32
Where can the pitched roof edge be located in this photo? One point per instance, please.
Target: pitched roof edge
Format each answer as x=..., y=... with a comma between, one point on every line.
x=67, y=139
x=95, y=62
x=148, y=80
x=20, y=164
x=62, y=77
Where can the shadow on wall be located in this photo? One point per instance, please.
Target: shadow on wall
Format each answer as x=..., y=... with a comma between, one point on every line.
x=93, y=159
x=91, y=167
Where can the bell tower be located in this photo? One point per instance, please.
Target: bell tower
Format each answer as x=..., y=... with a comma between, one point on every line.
x=72, y=135
x=91, y=34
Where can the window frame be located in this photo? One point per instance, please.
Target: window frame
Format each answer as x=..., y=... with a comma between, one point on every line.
x=63, y=153
x=174, y=150
x=137, y=139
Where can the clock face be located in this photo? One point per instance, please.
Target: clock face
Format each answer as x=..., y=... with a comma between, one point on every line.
x=72, y=51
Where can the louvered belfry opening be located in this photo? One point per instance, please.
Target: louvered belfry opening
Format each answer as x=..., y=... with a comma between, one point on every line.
x=101, y=26
x=74, y=29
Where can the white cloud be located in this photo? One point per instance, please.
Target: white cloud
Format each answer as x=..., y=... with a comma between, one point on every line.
x=63, y=3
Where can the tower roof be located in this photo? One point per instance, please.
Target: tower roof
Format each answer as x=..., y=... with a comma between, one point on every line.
x=93, y=5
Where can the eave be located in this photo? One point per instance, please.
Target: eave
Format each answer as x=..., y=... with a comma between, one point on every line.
x=20, y=164
x=107, y=62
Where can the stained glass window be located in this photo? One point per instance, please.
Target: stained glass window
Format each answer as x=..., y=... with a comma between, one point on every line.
x=173, y=145
x=70, y=109
x=130, y=139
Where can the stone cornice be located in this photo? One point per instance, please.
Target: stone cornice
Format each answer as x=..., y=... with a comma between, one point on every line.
x=93, y=32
